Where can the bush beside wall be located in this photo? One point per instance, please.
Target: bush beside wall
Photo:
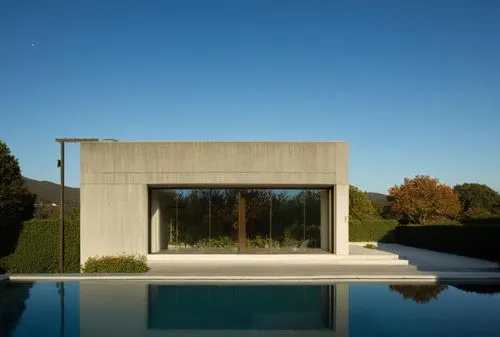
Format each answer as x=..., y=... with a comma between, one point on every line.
x=116, y=264
x=475, y=241
x=379, y=230
x=37, y=249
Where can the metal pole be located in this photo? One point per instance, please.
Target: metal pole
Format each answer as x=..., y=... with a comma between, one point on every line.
x=61, y=256
x=60, y=164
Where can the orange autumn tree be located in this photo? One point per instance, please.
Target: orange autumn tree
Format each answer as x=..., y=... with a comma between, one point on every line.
x=424, y=198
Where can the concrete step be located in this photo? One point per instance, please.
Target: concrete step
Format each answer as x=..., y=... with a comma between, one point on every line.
x=268, y=257
x=328, y=259
x=324, y=263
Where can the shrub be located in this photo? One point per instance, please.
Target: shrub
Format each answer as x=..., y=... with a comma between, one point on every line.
x=219, y=242
x=372, y=230
x=370, y=246
x=37, y=249
x=290, y=242
x=116, y=264
x=262, y=242
x=475, y=241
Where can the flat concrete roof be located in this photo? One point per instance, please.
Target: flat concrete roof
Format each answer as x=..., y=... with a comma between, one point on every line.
x=219, y=141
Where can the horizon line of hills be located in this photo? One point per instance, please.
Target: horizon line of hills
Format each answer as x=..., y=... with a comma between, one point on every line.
x=49, y=192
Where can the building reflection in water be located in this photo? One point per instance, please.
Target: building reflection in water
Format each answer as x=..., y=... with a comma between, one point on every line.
x=139, y=309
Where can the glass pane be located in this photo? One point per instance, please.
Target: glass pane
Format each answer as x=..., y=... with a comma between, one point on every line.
x=313, y=218
x=286, y=220
x=193, y=219
x=258, y=231
x=296, y=220
x=222, y=222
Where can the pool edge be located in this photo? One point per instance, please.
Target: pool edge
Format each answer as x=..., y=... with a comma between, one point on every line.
x=426, y=278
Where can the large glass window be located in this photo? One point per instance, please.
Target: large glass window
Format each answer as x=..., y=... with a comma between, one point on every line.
x=251, y=221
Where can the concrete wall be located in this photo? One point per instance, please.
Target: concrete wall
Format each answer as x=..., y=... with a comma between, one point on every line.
x=113, y=219
x=158, y=215
x=341, y=219
x=115, y=177
x=325, y=219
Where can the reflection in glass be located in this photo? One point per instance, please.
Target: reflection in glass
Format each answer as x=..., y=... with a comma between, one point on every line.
x=249, y=221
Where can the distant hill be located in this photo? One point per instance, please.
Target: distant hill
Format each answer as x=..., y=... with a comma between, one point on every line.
x=48, y=192
x=378, y=198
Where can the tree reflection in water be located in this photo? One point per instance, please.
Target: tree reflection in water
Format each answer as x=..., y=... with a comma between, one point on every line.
x=13, y=296
x=483, y=289
x=419, y=293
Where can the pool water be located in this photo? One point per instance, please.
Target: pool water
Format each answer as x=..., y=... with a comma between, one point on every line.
x=105, y=308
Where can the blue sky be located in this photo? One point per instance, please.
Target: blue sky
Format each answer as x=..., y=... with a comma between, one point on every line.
x=414, y=86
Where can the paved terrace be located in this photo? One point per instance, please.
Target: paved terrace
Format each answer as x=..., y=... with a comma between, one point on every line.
x=425, y=267
x=428, y=260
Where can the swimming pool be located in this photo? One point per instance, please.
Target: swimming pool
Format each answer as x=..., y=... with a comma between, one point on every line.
x=112, y=308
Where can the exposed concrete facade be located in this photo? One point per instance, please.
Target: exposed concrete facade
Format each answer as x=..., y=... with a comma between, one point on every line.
x=116, y=176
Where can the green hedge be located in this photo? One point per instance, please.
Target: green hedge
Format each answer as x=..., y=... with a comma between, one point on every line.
x=379, y=230
x=475, y=241
x=116, y=264
x=37, y=249
x=493, y=220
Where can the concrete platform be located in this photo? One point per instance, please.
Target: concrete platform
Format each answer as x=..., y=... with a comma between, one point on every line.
x=388, y=263
x=358, y=256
